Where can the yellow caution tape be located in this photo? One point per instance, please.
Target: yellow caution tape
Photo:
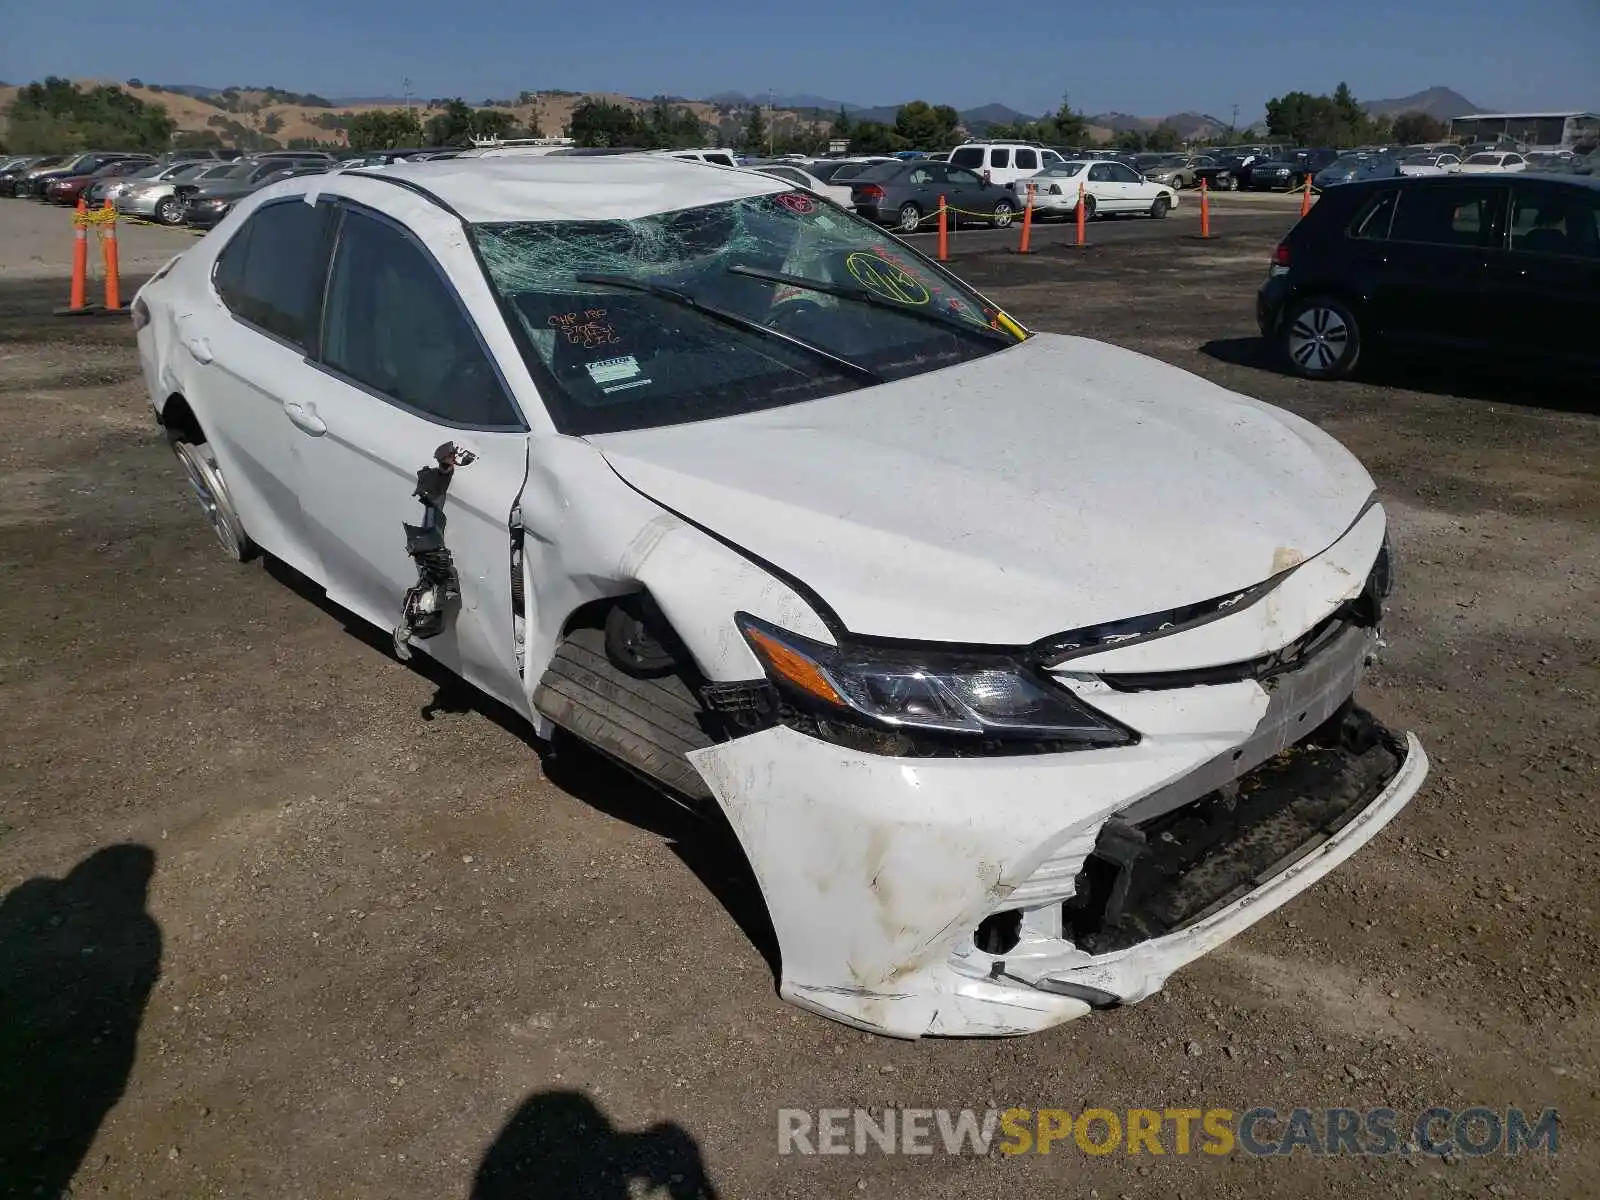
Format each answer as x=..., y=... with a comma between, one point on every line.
x=94, y=216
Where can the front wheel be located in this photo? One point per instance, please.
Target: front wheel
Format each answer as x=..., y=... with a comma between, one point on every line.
x=1161, y=207
x=1003, y=211
x=170, y=211
x=910, y=218
x=1320, y=338
x=1230, y=183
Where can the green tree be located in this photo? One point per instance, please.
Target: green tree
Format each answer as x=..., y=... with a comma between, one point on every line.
x=1351, y=116
x=57, y=115
x=384, y=129
x=874, y=137
x=1164, y=138
x=922, y=126
x=1130, y=140
x=271, y=123
x=1069, y=126
x=1411, y=127
x=451, y=127
x=754, y=136
x=197, y=139
x=842, y=125
x=601, y=123
x=1336, y=120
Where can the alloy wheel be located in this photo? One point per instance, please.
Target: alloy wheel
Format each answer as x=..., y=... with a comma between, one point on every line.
x=1318, y=339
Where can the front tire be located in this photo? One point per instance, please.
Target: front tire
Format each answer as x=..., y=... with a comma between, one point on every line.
x=910, y=217
x=1320, y=338
x=169, y=211
x=1161, y=207
x=1003, y=212
x=199, y=465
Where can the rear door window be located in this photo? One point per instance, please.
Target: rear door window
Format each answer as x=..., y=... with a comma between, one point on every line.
x=1556, y=220
x=967, y=156
x=1460, y=215
x=271, y=273
x=1372, y=222
x=999, y=157
x=1027, y=160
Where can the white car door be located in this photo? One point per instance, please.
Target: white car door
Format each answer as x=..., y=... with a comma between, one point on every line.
x=244, y=341
x=1137, y=192
x=403, y=370
x=1103, y=186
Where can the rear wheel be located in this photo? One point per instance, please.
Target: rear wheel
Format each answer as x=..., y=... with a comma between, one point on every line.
x=910, y=218
x=170, y=211
x=1320, y=338
x=1161, y=207
x=1088, y=208
x=1003, y=211
x=205, y=481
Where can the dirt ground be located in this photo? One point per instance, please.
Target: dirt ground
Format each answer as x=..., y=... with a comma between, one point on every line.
x=286, y=917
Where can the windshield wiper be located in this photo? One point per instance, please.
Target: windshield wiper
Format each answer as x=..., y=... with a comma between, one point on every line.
x=663, y=292
x=863, y=296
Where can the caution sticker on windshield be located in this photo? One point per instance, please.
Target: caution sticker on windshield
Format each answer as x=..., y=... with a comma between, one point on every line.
x=884, y=278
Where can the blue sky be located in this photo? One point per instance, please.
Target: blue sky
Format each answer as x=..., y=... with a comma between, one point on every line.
x=1148, y=57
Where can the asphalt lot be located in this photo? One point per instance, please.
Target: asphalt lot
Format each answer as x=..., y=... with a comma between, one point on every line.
x=296, y=919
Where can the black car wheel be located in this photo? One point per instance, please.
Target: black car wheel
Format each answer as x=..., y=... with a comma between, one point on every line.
x=910, y=218
x=1002, y=213
x=1088, y=208
x=1320, y=338
x=169, y=211
x=1161, y=207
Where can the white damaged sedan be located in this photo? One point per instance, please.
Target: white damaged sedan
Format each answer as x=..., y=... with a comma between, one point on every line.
x=1022, y=666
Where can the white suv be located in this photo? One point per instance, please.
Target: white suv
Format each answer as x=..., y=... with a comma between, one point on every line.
x=1004, y=162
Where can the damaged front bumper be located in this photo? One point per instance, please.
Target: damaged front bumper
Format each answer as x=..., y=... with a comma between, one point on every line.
x=974, y=896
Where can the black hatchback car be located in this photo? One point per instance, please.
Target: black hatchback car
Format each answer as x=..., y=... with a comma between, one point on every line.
x=1499, y=266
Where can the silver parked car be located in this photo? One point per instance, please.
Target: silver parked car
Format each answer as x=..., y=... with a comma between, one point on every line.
x=102, y=190
x=162, y=199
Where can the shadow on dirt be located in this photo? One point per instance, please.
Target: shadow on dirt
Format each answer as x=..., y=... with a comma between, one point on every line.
x=1493, y=384
x=560, y=1146
x=78, y=958
x=702, y=840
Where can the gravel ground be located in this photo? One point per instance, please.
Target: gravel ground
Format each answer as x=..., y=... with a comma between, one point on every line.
x=286, y=917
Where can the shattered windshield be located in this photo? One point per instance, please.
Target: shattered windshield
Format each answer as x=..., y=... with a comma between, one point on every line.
x=725, y=309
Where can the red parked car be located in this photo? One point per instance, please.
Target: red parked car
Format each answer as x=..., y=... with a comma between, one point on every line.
x=68, y=188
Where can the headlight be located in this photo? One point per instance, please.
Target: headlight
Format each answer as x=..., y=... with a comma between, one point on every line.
x=972, y=699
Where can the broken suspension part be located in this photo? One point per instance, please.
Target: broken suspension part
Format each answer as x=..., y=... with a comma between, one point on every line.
x=427, y=602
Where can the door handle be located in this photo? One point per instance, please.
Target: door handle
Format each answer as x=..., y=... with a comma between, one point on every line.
x=199, y=348
x=304, y=416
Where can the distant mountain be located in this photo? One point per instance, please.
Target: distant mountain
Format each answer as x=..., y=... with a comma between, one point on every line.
x=1188, y=124
x=1438, y=102
x=1121, y=122
x=976, y=120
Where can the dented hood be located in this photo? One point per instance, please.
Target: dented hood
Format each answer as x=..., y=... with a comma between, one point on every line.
x=1059, y=483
